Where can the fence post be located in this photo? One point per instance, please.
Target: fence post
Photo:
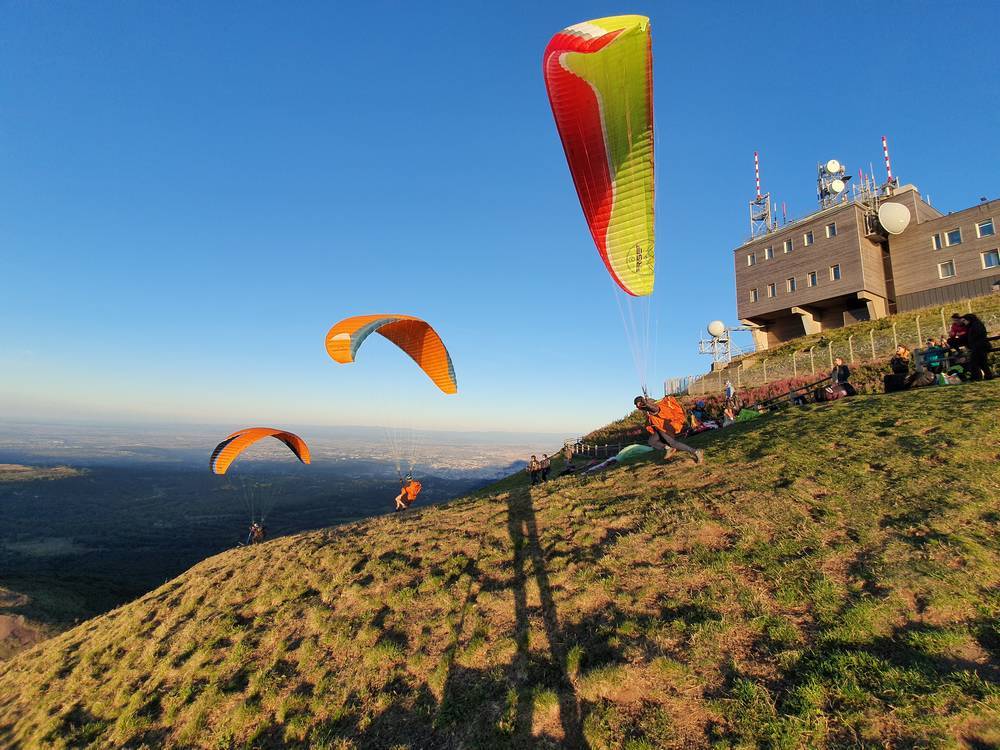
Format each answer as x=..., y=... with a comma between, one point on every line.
x=968, y=307
x=919, y=335
x=795, y=366
x=871, y=338
x=895, y=341
x=829, y=350
x=720, y=380
x=812, y=362
x=765, y=370
x=739, y=382
x=850, y=346
x=944, y=329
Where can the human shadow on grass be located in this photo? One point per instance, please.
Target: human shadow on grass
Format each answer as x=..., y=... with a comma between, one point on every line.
x=467, y=692
x=522, y=526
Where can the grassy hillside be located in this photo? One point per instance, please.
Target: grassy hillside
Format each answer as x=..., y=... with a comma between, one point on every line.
x=829, y=578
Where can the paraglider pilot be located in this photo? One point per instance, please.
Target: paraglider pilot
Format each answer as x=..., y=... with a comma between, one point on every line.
x=662, y=426
x=410, y=488
x=256, y=535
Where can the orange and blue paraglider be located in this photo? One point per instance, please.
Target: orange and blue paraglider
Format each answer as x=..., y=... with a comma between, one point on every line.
x=227, y=451
x=413, y=335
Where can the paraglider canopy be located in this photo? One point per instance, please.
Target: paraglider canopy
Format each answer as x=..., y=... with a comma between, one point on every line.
x=227, y=451
x=632, y=452
x=598, y=75
x=413, y=335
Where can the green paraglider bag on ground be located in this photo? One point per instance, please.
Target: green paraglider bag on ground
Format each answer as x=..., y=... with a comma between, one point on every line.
x=746, y=415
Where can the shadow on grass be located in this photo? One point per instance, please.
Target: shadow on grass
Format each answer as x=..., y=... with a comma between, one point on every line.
x=497, y=707
x=523, y=530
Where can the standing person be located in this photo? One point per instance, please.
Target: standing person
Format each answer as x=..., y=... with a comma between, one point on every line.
x=568, y=467
x=544, y=466
x=979, y=348
x=958, y=336
x=663, y=430
x=533, y=469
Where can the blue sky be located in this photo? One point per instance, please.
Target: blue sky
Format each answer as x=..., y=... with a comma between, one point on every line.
x=192, y=193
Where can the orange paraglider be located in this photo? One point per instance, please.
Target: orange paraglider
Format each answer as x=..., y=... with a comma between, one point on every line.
x=227, y=451
x=413, y=335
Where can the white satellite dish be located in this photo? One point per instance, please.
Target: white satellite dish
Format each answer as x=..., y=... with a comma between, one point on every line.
x=833, y=167
x=894, y=217
x=717, y=329
x=837, y=186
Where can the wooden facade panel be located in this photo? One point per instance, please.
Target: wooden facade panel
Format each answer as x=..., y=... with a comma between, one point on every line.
x=946, y=295
x=915, y=261
x=859, y=270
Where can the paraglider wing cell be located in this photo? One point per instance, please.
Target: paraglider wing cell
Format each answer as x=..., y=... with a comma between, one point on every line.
x=227, y=451
x=598, y=75
x=412, y=335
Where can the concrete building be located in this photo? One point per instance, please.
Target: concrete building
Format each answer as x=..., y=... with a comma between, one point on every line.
x=839, y=265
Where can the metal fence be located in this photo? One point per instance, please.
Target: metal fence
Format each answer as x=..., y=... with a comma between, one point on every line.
x=759, y=369
x=581, y=448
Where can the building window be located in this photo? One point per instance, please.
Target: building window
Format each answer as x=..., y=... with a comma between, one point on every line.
x=953, y=237
x=788, y=246
x=991, y=258
x=985, y=228
x=752, y=259
x=790, y=284
x=807, y=239
x=831, y=229
x=771, y=291
x=811, y=278
x=835, y=273
x=936, y=242
x=753, y=295
x=946, y=270
x=768, y=253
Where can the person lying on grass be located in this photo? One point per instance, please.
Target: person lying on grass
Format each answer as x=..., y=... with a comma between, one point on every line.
x=663, y=430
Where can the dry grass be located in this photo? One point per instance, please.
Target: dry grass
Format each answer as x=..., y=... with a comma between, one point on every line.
x=828, y=579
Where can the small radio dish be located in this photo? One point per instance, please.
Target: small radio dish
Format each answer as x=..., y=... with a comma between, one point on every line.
x=837, y=186
x=717, y=329
x=894, y=217
x=833, y=167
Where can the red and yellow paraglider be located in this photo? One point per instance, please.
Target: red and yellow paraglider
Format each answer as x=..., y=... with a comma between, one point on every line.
x=599, y=77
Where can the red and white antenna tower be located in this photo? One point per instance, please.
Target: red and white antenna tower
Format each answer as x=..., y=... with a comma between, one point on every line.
x=760, y=207
x=756, y=171
x=888, y=166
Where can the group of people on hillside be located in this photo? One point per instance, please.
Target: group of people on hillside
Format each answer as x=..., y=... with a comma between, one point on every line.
x=962, y=355
x=666, y=420
x=538, y=469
